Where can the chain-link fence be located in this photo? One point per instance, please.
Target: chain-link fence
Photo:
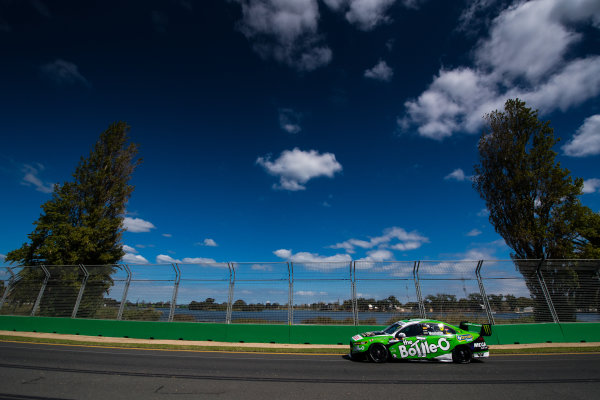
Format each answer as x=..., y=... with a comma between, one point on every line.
x=327, y=293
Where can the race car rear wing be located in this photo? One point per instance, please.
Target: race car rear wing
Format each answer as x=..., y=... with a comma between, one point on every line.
x=482, y=329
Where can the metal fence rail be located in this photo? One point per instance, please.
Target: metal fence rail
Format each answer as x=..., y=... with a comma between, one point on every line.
x=335, y=293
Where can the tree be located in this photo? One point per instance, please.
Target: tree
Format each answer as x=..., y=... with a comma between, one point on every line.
x=532, y=200
x=81, y=224
x=533, y=203
x=587, y=243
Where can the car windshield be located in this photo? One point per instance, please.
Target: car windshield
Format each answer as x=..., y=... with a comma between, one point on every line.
x=394, y=327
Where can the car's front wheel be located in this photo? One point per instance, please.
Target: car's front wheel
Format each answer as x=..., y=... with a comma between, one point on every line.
x=462, y=355
x=378, y=353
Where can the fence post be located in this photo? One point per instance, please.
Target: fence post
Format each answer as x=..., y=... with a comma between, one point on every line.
x=418, y=289
x=125, y=290
x=38, y=300
x=230, y=294
x=486, y=303
x=175, y=291
x=353, y=292
x=8, y=287
x=86, y=275
x=290, y=293
x=547, y=297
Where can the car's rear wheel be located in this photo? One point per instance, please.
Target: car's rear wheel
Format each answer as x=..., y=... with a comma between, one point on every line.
x=462, y=355
x=378, y=353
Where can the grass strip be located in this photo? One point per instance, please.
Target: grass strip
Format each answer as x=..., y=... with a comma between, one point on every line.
x=161, y=346
x=547, y=350
x=234, y=349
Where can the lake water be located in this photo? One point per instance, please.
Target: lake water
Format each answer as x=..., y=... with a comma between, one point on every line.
x=381, y=318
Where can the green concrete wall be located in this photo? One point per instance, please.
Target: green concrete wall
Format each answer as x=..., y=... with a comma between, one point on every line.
x=250, y=333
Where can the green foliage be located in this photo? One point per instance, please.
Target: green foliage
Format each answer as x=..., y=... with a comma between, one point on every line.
x=331, y=321
x=81, y=224
x=532, y=200
x=587, y=243
x=207, y=305
x=144, y=314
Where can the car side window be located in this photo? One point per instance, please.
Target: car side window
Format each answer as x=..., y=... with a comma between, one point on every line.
x=432, y=329
x=412, y=330
x=448, y=330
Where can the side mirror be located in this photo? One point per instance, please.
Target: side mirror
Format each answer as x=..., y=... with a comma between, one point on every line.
x=400, y=335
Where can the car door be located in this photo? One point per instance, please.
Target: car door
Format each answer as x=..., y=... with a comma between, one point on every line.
x=439, y=339
x=409, y=341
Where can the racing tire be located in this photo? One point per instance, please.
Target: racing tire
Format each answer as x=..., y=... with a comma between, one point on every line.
x=462, y=355
x=378, y=353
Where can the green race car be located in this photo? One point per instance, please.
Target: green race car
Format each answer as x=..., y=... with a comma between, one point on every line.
x=423, y=339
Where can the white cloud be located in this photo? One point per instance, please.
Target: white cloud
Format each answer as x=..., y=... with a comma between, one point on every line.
x=586, y=142
x=261, y=267
x=137, y=225
x=591, y=185
x=367, y=14
x=475, y=15
x=478, y=254
x=484, y=212
x=289, y=120
x=574, y=84
x=283, y=253
x=130, y=258
x=305, y=257
x=525, y=56
x=198, y=260
x=210, y=243
x=64, y=73
x=547, y=39
x=378, y=255
x=406, y=246
x=167, y=235
x=31, y=178
x=165, y=259
x=305, y=293
x=129, y=249
x=296, y=167
x=474, y=232
x=456, y=100
x=380, y=72
x=285, y=30
x=2, y=257
x=393, y=238
x=482, y=251
x=456, y=175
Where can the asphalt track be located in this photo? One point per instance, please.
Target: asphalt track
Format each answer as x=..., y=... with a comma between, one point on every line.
x=34, y=371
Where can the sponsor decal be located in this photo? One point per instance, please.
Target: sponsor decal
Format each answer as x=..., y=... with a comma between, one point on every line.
x=481, y=345
x=464, y=337
x=357, y=337
x=487, y=329
x=369, y=334
x=420, y=348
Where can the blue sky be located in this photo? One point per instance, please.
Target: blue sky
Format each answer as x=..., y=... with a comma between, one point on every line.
x=303, y=130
